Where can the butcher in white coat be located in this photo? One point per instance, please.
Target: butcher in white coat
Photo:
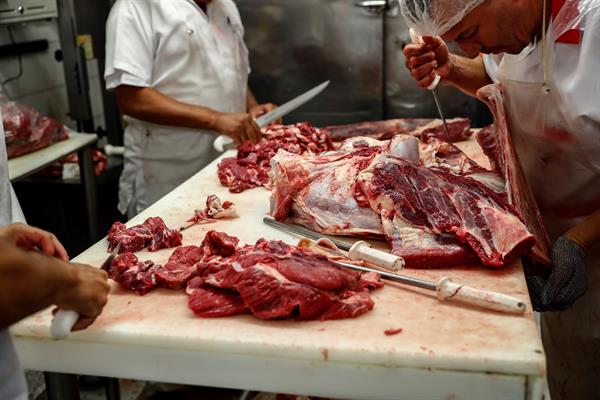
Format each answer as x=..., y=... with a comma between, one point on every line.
x=179, y=69
x=546, y=54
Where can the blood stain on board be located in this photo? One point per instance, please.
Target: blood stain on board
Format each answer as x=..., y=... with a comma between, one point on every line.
x=391, y=332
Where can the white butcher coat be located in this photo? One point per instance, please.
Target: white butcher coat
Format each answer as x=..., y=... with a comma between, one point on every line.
x=12, y=379
x=191, y=56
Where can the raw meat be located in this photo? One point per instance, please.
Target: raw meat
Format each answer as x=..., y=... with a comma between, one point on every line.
x=180, y=268
x=276, y=280
x=153, y=233
x=132, y=274
x=319, y=192
x=424, y=128
x=26, y=131
x=440, y=202
x=211, y=302
x=251, y=166
x=498, y=146
x=215, y=209
x=333, y=193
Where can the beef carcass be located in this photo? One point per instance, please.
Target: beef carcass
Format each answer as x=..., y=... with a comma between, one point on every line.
x=152, y=233
x=497, y=144
x=251, y=166
x=439, y=202
x=133, y=274
x=424, y=128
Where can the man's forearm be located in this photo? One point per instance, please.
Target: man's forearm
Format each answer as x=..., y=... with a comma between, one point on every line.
x=467, y=74
x=29, y=282
x=148, y=104
x=587, y=233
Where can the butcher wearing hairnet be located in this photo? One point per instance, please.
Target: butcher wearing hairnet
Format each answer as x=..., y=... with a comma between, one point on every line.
x=546, y=55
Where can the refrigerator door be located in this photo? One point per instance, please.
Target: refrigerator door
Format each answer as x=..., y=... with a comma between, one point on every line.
x=295, y=44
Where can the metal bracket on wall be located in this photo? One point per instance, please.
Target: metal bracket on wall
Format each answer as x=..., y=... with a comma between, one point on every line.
x=75, y=67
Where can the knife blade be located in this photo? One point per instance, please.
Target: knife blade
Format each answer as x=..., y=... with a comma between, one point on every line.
x=226, y=143
x=303, y=232
x=63, y=321
x=290, y=106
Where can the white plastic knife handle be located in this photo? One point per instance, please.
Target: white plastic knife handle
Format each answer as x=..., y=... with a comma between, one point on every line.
x=362, y=250
x=417, y=39
x=62, y=323
x=448, y=290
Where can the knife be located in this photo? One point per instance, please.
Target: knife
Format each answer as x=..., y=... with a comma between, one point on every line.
x=359, y=250
x=223, y=142
x=63, y=321
x=447, y=290
x=433, y=89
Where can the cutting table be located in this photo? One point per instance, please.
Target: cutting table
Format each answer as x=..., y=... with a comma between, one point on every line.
x=444, y=350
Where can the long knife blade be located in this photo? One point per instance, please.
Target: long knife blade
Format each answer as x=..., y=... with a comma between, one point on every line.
x=439, y=108
x=303, y=232
x=107, y=263
x=290, y=106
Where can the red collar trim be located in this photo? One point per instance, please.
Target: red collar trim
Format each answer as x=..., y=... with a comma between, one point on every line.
x=572, y=36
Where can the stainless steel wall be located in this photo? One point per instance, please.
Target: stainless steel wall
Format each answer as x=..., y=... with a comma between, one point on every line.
x=296, y=44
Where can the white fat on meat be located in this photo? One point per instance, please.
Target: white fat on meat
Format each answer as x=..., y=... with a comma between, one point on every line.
x=405, y=147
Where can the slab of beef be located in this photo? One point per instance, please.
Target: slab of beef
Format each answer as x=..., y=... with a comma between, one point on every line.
x=275, y=280
x=424, y=128
x=319, y=192
x=440, y=202
x=211, y=302
x=133, y=274
x=152, y=233
x=497, y=144
x=215, y=209
x=251, y=166
x=26, y=131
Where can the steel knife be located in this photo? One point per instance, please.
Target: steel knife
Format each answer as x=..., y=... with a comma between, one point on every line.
x=225, y=142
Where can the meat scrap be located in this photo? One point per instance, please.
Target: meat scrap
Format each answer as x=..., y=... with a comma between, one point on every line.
x=152, y=233
x=251, y=166
x=133, y=274
x=215, y=209
x=390, y=332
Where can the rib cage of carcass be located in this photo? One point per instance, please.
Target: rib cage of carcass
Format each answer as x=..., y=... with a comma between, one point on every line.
x=434, y=205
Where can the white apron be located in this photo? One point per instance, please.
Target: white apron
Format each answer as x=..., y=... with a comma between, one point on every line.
x=192, y=57
x=559, y=148
x=12, y=379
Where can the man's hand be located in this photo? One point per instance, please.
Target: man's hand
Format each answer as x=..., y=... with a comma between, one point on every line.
x=425, y=60
x=30, y=238
x=261, y=109
x=567, y=281
x=239, y=127
x=87, y=294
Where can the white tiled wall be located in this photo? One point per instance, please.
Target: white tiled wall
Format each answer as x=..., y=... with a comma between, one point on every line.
x=43, y=82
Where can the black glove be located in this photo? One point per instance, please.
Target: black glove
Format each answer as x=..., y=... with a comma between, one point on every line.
x=567, y=281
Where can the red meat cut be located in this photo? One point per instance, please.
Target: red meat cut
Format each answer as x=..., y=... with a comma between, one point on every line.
x=152, y=233
x=132, y=274
x=251, y=166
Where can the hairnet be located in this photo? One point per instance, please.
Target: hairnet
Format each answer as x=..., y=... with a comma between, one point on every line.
x=435, y=17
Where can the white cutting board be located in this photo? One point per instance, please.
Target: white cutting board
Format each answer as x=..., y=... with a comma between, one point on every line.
x=434, y=335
